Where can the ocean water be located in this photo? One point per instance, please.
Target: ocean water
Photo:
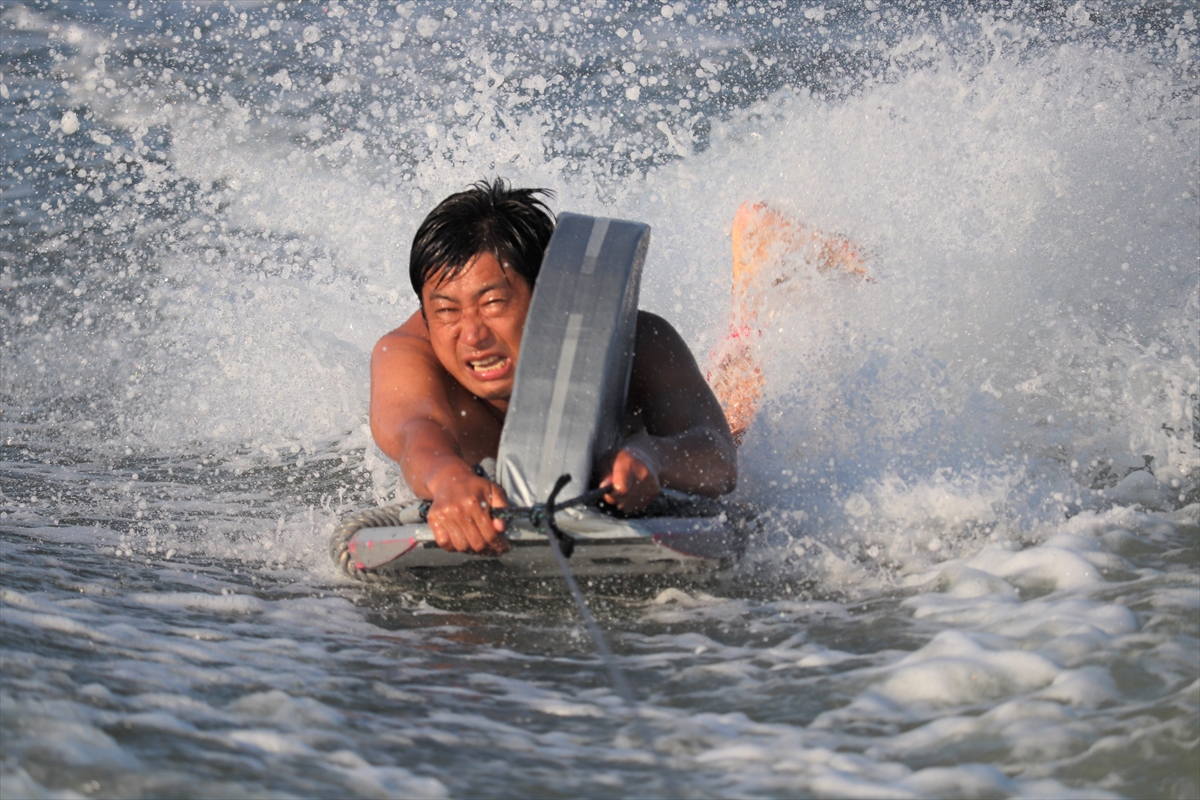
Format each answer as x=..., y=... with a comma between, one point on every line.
x=979, y=569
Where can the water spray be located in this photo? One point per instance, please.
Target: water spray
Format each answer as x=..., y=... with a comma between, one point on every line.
x=541, y=517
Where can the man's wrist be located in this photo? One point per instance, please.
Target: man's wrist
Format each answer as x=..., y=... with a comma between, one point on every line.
x=643, y=447
x=454, y=471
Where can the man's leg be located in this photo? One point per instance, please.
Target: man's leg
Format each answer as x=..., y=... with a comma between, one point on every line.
x=736, y=378
x=765, y=243
x=763, y=238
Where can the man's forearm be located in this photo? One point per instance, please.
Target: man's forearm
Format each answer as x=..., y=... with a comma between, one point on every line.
x=460, y=515
x=697, y=461
x=429, y=455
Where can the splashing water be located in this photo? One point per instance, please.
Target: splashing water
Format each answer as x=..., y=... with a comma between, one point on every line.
x=980, y=471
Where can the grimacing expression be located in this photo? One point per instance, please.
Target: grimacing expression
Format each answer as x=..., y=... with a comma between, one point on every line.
x=475, y=324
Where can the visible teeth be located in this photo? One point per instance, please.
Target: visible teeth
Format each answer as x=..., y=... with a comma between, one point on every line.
x=491, y=361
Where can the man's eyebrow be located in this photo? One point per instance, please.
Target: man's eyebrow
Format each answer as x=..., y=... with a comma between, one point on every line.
x=502, y=284
x=436, y=295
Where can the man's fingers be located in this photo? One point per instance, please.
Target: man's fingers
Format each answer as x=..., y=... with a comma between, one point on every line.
x=621, y=477
x=633, y=483
x=470, y=539
x=476, y=542
x=484, y=534
x=617, y=481
x=455, y=540
x=477, y=522
x=486, y=538
x=611, y=496
x=465, y=524
x=497, y=499
x=462, y=522
x=607, y=484
x=460, y=538
x=618, y=478
x=491, y=528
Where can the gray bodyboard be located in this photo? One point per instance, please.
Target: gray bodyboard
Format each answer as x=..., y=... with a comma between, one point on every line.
x=568, y=400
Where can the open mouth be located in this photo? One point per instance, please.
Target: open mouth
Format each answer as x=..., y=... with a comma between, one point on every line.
x=485, y=366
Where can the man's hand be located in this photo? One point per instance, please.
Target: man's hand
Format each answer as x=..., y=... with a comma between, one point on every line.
x=460, y=516
x=633, y=478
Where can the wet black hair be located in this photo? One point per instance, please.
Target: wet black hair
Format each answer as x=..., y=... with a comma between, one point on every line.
x=514, y=225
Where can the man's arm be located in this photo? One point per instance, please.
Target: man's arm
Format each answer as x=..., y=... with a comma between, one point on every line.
x=412, y=422
x=686, y=444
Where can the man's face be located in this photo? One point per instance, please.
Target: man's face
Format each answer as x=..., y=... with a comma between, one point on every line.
x=475, y=325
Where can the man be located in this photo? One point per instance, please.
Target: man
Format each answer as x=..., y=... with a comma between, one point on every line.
x=441, y=382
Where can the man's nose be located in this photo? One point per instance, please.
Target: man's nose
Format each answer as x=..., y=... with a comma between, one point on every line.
x=474, y=329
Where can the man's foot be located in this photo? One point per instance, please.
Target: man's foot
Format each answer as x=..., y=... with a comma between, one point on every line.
x=767, y=248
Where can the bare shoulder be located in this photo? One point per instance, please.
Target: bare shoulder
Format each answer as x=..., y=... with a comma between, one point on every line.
x=404, y=367
x=667, y=391
x=405, y=348
x=659, y=346
x=413, y=335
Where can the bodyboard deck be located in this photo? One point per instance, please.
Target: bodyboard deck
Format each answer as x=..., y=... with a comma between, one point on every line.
x=604, y=546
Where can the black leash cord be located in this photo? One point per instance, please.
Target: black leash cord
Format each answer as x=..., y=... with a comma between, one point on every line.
x=541, y=516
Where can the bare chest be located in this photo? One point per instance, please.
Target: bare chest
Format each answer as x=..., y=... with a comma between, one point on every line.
x=476, y=426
